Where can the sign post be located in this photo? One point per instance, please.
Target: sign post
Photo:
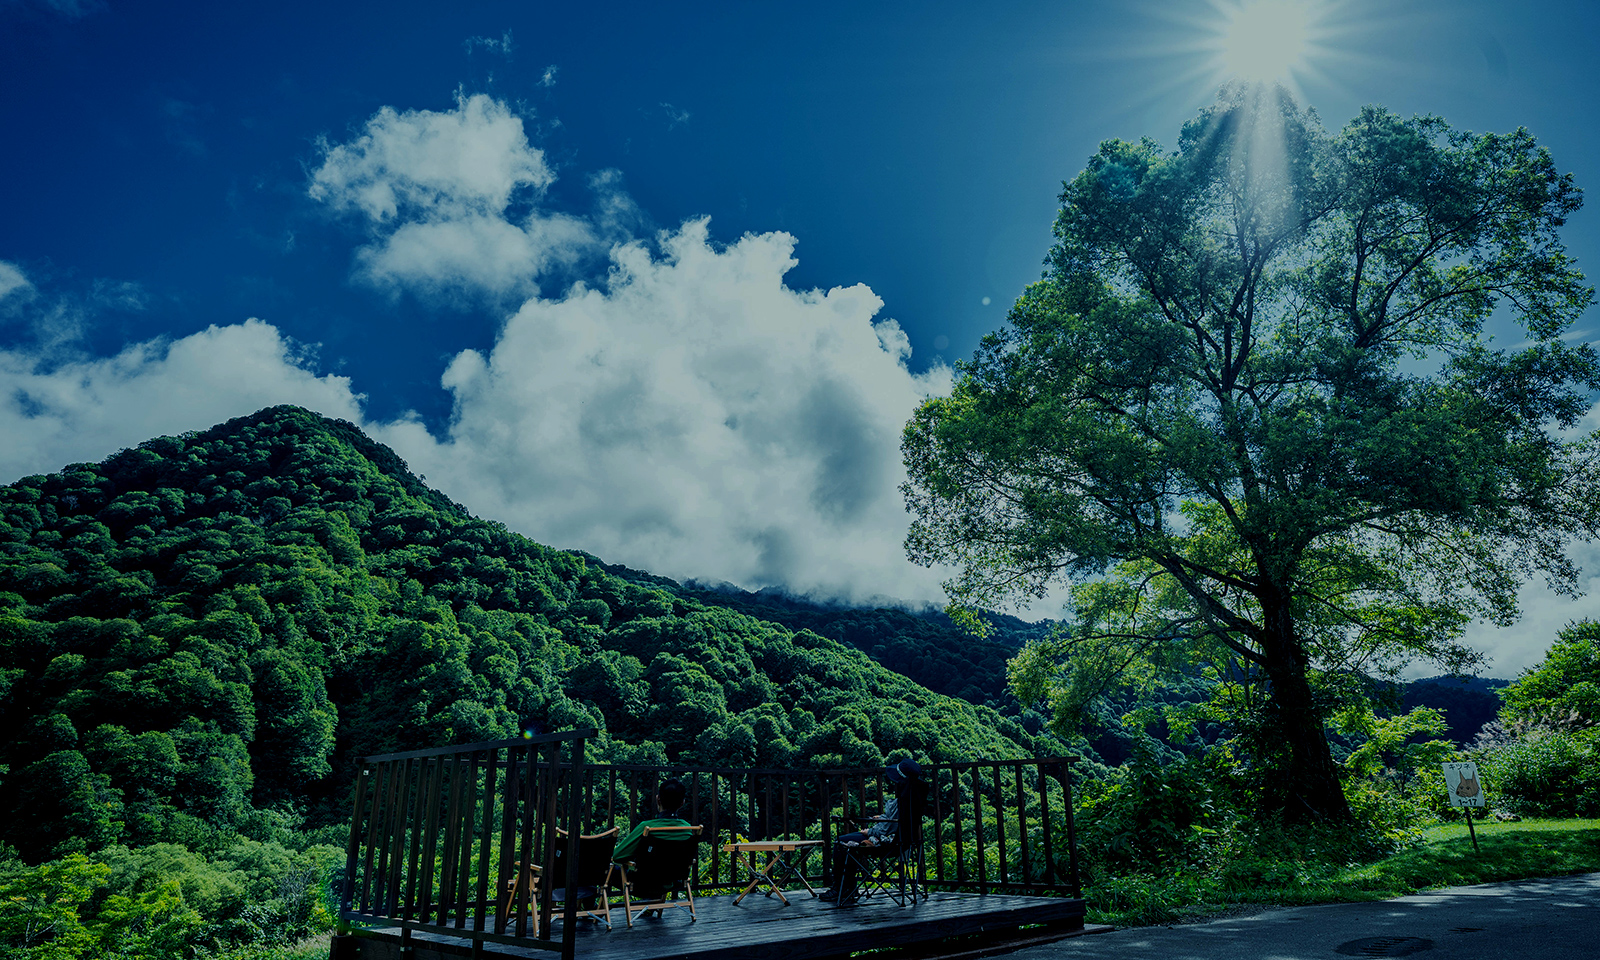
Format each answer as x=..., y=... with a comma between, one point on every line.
x=1461, y=782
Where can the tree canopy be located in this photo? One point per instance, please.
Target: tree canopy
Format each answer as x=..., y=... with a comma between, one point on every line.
x=1564, y=687
x=1252, y=414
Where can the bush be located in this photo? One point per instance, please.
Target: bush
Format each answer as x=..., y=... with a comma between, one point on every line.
x=1158, y=811
x=165, y=901
x=1547, y=773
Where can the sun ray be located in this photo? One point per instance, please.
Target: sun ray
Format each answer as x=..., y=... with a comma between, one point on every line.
x=1266, y=41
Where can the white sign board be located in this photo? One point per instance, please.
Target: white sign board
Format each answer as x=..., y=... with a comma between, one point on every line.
x=1461, y=782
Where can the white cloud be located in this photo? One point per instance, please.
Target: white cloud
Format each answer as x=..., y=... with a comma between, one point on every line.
x=676, y=116
x=1513, y=649
x=473, y=252
x=85, y=410
x=549, y=78
x=501, y=46
x=13, y=280
x=698, y=418
x=438, y=190
x=55, y=322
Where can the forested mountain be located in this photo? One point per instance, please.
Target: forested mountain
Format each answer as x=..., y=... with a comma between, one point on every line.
x=927, y=647
x=213, y=625
x=1466, y=702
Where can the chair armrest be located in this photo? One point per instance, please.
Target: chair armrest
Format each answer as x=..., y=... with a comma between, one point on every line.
x=693, y=831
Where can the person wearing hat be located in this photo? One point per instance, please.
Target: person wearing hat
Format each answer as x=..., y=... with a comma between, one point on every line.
x=900, y=776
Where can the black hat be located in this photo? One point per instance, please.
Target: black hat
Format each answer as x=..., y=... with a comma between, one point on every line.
x=903, y=771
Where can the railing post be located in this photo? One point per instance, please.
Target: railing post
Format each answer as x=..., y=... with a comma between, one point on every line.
x=1072, y=831
x=569, y=932
x=353, y=852
x=509, y=870
x=1022, y=827
x=485, y=832
x=1043, y=782
x=1000, y=825
x=397, y=857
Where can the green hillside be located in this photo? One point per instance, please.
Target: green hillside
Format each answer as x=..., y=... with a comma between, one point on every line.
x=197, y=635
x=926, y=647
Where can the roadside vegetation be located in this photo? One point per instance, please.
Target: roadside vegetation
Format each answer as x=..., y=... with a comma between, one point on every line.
x=1444, y=857
x=1173, y=833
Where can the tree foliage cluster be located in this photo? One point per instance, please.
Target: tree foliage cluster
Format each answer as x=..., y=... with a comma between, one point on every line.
x=200, y=634
x=166, y=901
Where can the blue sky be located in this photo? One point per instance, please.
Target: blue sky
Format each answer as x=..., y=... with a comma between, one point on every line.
x=210, y=207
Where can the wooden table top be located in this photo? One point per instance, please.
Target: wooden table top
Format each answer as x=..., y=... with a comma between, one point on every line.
x=770, y=845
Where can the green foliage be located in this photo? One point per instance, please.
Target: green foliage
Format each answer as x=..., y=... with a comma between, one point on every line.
x=165, y=901
x=1302, y=866
x=39, y=908
x=1158, y=812
x=1543, y=758
x=1392, y=772
x=1547, y=773
x=1388, y=746
x=1565, y=686
x=1251, y=414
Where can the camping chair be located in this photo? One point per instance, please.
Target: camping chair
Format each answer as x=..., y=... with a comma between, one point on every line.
x=594, y=858
x=664, y=863
x=894, y=868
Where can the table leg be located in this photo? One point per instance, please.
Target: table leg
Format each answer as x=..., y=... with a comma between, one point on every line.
x=755, y=875
x=800, y=874
x=773, y=859
x=790, y=871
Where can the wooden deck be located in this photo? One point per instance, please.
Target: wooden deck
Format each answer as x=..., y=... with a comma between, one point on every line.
x=761, y=928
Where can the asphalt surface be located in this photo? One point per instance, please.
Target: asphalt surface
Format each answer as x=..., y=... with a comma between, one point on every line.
x=1553, y=919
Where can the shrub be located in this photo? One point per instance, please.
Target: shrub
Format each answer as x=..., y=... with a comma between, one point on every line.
x=1546, y=773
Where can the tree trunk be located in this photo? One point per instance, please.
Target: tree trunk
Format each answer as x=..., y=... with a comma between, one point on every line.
x=1307, y=789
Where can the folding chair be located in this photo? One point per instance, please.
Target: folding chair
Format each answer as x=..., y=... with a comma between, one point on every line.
x=663, y=864
x=594, y=859
x=894, y=868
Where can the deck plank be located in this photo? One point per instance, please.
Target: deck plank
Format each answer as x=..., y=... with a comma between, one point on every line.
x=762, y=928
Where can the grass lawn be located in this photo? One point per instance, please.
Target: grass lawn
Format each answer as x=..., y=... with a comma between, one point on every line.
x=1507, y=851
x=1444, y=858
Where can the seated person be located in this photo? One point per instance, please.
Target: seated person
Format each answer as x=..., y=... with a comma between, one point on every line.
x=669, y=798
x=882, y=831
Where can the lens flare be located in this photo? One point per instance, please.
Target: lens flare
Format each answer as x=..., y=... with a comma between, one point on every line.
x=1266, y=40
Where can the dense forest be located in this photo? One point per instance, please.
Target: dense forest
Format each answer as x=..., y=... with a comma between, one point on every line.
x=198, y=635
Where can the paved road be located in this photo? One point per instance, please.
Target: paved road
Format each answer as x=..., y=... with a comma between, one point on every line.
x=1556, y=919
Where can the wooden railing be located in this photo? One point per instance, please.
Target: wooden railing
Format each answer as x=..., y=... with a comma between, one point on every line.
x=437, y=834
x=991, y=825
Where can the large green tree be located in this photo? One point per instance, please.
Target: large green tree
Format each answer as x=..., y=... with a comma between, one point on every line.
x=1252, y=414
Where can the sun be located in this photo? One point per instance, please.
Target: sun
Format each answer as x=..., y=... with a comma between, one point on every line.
x=1265, y=41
